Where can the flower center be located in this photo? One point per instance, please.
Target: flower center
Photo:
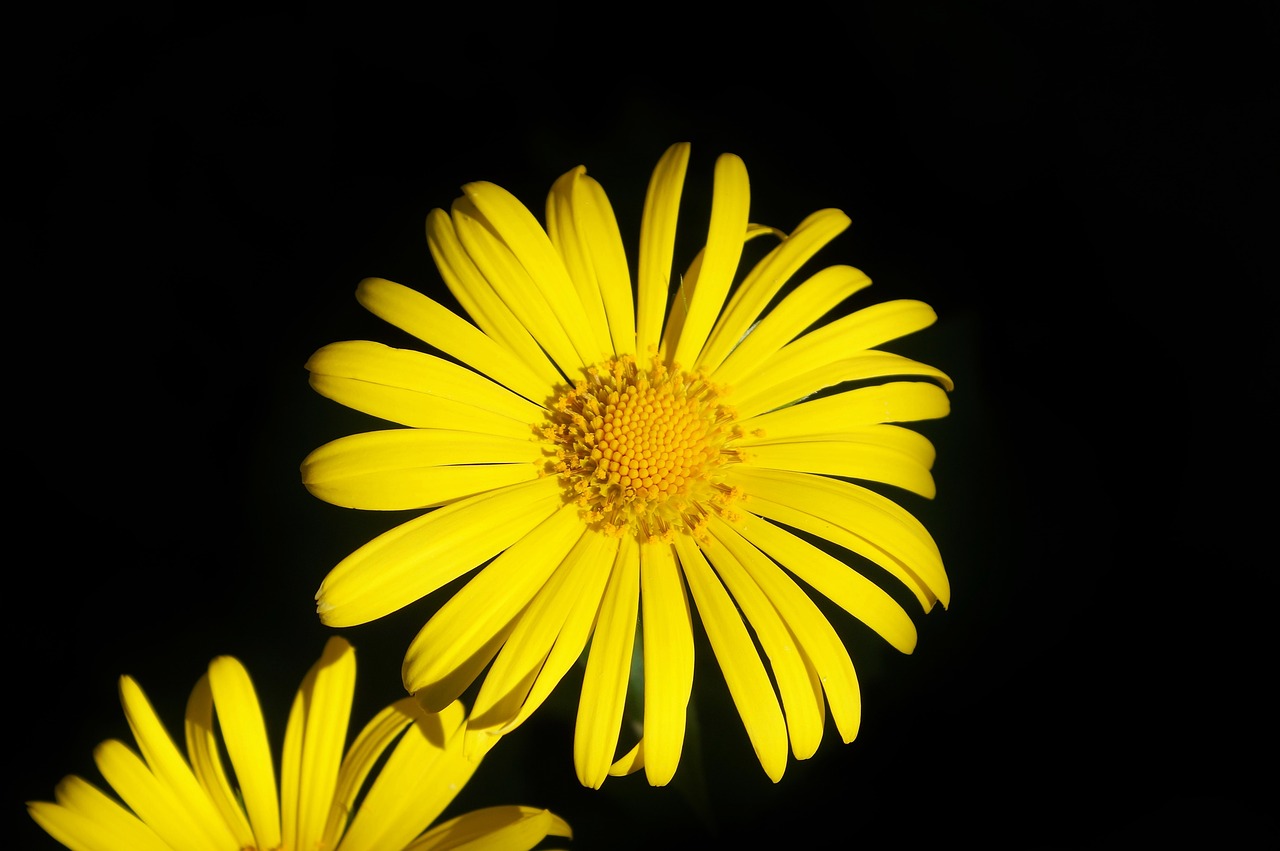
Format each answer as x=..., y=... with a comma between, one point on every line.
x=638, y=450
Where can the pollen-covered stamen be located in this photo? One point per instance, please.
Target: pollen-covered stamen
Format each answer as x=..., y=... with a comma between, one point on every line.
x=638, y=450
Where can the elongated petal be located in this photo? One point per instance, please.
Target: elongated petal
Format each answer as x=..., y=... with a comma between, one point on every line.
x=479, y=299
x=868, y=459
x=165, y=759
x=604, y=683
x=315, y=739
x=438, y=326
x=799, y=309
x=582, y=227
x=86, y=819
x=412, y=560
x=765, y=279
x=760, y=396
x=506, y=828
x=244, y=733
x=657, y=245
x=366, y=752
x=668, y=660
x=446, y=654
x=204, y=748
x=417, y=389
x=171, y=815
x=417, y=468
x=730, y=207
x=798, y=682
x=853, y=517
x=744, y=673
x=814, y=634
x=891, y=402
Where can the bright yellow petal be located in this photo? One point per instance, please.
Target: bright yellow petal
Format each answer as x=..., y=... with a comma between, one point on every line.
x=757, y=395
x=584, y=231
x=657, y=245
x=744, y=673
x=478, y=298
x=891, y=402
x=314, y=740
x=504, y=828
x=166, y=810
x=422, y=775
x=798, y=681
x=418, y=390
x=852, y=516
x=415, y=558
x=814, y=634
x=395, y=469
x=244, y=733
x=730, y=207
x=440, y=327
x=445, y=656
x=361, y=758
x=604, y=683
x=204, y=748
x=668, y=660
x=764, y=280
x=547, y=639
x=170, y=766
x=86, y=819
x=869, y=458
x=798, y=310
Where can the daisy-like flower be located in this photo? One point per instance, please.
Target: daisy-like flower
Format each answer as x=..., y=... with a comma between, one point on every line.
x=623, y=459
x=325, y=797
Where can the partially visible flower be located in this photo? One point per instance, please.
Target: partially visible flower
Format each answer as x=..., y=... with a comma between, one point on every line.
x=323, y=798
x=623, y=458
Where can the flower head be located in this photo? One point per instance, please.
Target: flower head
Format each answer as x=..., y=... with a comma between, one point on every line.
x=619, y=459
x=325, y=797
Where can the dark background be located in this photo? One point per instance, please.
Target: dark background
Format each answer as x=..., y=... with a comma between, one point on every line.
x=1084, y=192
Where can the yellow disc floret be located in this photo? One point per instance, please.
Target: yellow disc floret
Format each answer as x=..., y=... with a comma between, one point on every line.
x=638, y=450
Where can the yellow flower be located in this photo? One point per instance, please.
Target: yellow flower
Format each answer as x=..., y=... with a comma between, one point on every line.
x=322, y=801
x=606, y=453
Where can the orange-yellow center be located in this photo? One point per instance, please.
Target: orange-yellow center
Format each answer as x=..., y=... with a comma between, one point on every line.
x=638, y=450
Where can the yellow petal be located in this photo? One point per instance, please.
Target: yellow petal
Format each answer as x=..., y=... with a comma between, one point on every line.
x=363, y=755
x=744, y=673
x=869, y=458
x=396, y=469
x=668, y=660
x=204, y=748
x=852, y=516
x=657, y=245
x=86, y=819
x=798, y=681
x=757, y=394
x=764, y=280
x=166, y=810
x=418, y=390
x=834, y=579
x=814, y=634
x=440, y=327
x=730, y=207
x=167, y=762
x=314, y=740
x=584, y=231
x=604, y=683
x=445, y=655
x=479, y=299
x=415, y=558
x=504, y=828
x=244, y=734
x=797, y=310
x=893, y=401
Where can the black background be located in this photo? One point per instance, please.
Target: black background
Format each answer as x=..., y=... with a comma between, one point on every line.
x=1084, y=192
